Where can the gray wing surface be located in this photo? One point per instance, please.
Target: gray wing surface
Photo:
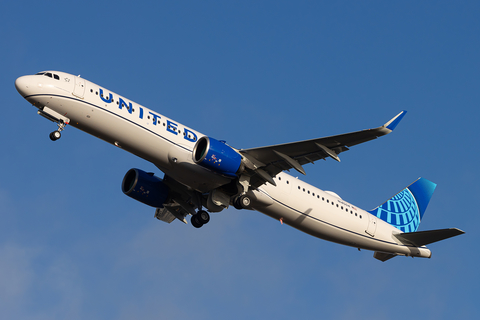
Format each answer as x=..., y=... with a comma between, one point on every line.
x=276, y=158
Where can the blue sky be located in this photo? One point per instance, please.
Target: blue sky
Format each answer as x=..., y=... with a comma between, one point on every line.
x=252, y=73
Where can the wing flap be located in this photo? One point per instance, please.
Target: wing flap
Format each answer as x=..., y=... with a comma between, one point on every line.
x=163, y=214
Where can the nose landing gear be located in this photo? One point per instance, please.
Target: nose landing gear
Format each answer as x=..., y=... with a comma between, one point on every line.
x=56, y=117
x=55, y=135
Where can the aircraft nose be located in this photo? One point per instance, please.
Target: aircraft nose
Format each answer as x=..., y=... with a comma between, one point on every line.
x=22, y=85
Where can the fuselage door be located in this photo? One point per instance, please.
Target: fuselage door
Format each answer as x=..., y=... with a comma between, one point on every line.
x=372, y=225
x=79, y=88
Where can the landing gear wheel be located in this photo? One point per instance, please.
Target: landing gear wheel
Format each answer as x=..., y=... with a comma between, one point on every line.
x=236, y=204
x=195, y=222
x=203, y=217
x=55, y=135
x=242, y=202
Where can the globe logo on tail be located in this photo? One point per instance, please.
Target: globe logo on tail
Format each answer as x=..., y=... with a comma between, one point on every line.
x=401, y=211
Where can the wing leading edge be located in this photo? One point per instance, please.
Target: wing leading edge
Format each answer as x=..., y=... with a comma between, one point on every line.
x=276, y=158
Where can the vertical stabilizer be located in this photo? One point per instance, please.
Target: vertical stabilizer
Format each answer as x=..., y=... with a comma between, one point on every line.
x=405, y=209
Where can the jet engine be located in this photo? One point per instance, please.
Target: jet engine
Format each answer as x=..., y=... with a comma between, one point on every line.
x=217, y=156
x=145, y=187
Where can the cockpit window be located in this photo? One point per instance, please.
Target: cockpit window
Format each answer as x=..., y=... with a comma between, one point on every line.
x=48, y=74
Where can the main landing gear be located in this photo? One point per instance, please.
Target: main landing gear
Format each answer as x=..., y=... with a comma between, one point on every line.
x=202, y=217
x=242, y=202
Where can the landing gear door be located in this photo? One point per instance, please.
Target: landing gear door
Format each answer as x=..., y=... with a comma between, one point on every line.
x=372, y=225
x=79, y=88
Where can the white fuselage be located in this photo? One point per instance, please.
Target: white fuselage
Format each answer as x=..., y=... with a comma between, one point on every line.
x=169, y=145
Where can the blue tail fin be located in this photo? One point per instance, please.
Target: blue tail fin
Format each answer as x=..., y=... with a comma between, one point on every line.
x=405, y=209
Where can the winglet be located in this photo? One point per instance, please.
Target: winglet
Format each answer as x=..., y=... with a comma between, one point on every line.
x=390, y=125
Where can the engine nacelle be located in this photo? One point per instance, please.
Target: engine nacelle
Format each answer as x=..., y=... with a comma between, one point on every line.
x=145, y=187
x=217, y=156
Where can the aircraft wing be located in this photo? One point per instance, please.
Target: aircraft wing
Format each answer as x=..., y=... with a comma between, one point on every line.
x=270, y=160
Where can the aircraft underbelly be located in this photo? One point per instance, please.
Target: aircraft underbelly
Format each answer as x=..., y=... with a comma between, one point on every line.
x=321, y=226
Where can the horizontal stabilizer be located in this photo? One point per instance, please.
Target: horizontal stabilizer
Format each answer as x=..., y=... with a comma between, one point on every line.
x=382, y=256
x=422, y=238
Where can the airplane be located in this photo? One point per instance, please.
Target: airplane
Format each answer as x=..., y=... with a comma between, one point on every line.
x=202, y=174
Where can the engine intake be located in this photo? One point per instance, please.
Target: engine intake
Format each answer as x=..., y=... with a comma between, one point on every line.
x=145, y=187
x=217, y=156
